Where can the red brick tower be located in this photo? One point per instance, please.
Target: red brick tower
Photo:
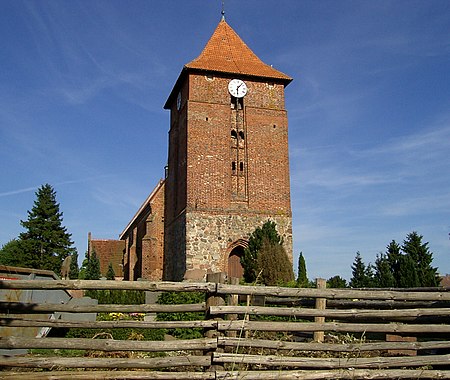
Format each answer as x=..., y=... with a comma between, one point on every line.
x=228, y=164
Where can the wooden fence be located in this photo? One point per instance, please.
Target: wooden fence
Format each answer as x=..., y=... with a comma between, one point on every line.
x=250, y=332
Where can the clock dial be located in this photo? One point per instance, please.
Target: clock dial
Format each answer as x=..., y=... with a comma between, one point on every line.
x=237, y=88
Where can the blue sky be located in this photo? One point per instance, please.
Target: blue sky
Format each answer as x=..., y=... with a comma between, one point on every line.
x=83, y=83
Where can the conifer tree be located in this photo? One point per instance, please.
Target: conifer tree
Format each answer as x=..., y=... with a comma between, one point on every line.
x=93, y=267
x=409, y=277
x=74, y=270
x=46, y=242
x=383, y=277
x=249, y=259
x=110, y=275
x=273, y=264
x=362, y=275
x=302, y=279
x=422, y=258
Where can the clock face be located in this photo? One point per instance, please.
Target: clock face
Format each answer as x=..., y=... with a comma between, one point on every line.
x=237, y=88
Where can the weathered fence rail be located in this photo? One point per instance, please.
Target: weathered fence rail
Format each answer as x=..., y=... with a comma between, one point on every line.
x=360, y=334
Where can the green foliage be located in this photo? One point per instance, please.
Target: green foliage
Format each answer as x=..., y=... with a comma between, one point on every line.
x=406, y=266
x=336, y=282
x=273, y=264
x=45, y=243
x=302, y=279
x=110, y=275
x=93, y=267
x=409, y=277
x=178, y=298
x=73, y=269
x=117, y=296
x=422, y=258
x=383, y=277
x=362, y=275
x=11, y=252
x=249, y=259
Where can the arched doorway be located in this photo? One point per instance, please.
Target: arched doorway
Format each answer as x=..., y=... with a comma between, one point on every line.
x=234, y=262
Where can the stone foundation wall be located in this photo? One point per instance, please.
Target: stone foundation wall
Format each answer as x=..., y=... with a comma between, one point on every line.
x=210, y=236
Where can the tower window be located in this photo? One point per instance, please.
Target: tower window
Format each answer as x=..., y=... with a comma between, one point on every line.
x=241, y=166
x=233, y=167
x=234, y=134
x=241, y=135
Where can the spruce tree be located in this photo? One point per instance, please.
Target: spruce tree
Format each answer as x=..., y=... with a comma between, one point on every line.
x=409, y=277
x=93, y=267
x=383, y=276
x=74, y=270
x=361, y=274
x=302, y=279
x=393, y=257
x=422, y=258
x=46, y=242
x=110, y=275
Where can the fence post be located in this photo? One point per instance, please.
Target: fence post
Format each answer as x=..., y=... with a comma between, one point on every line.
x=214, y=300
x=321, y=304
x=233, y=300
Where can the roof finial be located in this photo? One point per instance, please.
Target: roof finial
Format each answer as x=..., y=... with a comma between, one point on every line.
x=223, y=10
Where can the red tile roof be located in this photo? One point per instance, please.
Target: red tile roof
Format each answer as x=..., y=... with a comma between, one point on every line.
x=225, y=52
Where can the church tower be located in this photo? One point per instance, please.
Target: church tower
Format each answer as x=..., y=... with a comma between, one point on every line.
x=228, y=164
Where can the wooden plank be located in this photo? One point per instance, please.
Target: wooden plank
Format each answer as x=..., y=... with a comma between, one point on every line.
x=331, y=363
x=345, y=374
x=61, y=362
x=332, y=326
x=332, y=347
x=348, y=314
x=155, y=286
x=12, y=322
x=108, y=375
x=386, y=295
x=106, y=344
x=17, y=307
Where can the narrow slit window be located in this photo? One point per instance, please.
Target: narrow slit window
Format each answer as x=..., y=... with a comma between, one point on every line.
x=241, y=135
x=241, y=166
x=234, y=134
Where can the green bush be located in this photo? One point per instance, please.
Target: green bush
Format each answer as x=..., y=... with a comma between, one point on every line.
x=178, y=298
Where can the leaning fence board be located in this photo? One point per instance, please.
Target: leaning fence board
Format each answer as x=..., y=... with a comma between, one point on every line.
x=107, y=344
x=336, y=314
x=109, y=375
x=52, y=362
x=347, y=374
x=332, y=293
x=331, y=326
x=17, y=307
x=154, y=286
x=308, y=362
x=332, y=347
x=11, y=322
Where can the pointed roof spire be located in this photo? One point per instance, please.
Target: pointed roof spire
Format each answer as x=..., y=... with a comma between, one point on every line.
x=223, y=10
x=226, y=52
